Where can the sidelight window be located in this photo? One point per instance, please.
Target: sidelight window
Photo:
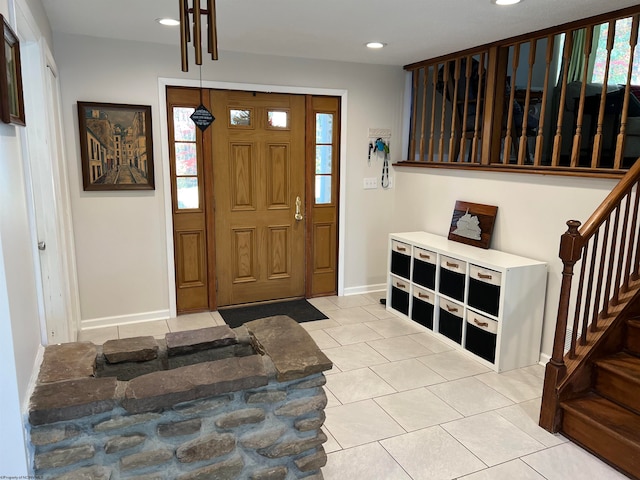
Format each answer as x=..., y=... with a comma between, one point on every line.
x=324, y=157
x=186, y=158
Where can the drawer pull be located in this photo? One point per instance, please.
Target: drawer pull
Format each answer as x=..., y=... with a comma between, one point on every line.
x=451, y=309
x=452, y=265
x=484, y=276
x=400, y=285
x=422, y=255
x=480, y=324
x=423, y=295
x=401, y=249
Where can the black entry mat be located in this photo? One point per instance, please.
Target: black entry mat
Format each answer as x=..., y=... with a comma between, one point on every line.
x=299, y=310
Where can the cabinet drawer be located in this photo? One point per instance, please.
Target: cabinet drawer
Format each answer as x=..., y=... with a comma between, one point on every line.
x=400, y=284
x=400, y=258
x=424, y=295
x=485, y=275
x=400, y=295
x=482, y=322
x=484, y=289
x=481, y=338
x=450, y=322
x=424, y=255
x=422, y=308
x=424, y=268
x=452, y=277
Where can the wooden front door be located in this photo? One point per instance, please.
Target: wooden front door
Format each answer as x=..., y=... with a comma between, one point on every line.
x=258, y=155
x=234, y=192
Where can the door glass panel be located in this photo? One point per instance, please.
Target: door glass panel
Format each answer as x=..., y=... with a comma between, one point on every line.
x=187, y=192
x=323, y=159
x=186, y=159
x=323, y=189
x=183, y=127
x=278, y=119
x=240, y=117
x=324, y=127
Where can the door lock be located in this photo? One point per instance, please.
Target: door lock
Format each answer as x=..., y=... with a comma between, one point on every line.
x=42, y=245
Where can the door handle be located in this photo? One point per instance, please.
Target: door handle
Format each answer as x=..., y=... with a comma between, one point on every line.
x=298, y=216
x=42, y=245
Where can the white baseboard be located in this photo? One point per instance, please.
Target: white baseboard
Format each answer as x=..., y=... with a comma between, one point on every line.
x=124, y=319
x=381, y=287
x=544, y=359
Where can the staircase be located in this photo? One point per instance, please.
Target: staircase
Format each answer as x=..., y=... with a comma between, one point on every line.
x=606, y=420
x=592, y=382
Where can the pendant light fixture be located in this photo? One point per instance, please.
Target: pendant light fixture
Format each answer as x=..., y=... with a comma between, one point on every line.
x=191, y=14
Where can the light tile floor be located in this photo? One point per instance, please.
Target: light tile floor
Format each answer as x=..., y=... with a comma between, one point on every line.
x=403, y=405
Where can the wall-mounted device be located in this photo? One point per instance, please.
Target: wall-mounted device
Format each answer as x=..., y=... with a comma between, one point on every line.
x=379, y=140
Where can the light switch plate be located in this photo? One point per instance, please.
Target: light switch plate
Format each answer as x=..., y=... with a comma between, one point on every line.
x=370, y=183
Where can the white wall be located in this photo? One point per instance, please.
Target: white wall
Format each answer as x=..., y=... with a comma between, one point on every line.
x=37, y=11
x=532, y=213
x=19, y=315
x=120, y=236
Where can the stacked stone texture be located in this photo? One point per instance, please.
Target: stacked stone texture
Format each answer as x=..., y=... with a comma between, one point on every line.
x=242, y=416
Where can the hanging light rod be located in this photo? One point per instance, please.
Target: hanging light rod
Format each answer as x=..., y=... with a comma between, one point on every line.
x=186, y=13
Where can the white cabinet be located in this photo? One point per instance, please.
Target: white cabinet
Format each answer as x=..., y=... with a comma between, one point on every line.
x=484, y=302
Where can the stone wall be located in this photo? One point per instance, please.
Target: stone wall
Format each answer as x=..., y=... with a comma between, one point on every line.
x=214, y=403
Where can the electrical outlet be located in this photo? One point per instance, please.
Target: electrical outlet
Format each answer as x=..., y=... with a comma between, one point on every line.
x=370, y=183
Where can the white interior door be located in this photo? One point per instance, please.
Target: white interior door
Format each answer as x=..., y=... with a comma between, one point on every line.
x=42, y=142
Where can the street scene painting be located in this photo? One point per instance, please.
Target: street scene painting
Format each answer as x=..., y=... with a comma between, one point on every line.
x=116, y=147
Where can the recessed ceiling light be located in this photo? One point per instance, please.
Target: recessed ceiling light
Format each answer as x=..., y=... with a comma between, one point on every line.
x=171, y=22
x=506, y=2
x=375, y=45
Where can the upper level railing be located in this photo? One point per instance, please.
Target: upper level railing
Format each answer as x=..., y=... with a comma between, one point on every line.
x=564, y=101
x=604, y=254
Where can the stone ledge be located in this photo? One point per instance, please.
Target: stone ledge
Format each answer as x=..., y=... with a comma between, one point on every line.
x=67, y=361
x=136, y=349
x=189, y=341
x=160, y=390
x=53, y=402
x=291, y=349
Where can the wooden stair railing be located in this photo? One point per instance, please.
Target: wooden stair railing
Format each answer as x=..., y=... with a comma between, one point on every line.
x=606, y=250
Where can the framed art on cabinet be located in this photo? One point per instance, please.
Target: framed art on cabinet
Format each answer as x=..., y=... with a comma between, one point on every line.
x=472, y=223
x=11, y=99
x=116, y=147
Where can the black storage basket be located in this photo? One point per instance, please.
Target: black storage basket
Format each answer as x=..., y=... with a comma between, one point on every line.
x=422, y=312
x=450, y=326
x=481, y=342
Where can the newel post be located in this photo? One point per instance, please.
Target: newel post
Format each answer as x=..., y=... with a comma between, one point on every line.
x=570, y=251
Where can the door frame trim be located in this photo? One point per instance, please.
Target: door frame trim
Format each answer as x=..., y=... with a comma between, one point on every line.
x=164, y=82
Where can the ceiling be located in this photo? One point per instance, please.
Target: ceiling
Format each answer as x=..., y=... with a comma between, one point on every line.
x=413, y=30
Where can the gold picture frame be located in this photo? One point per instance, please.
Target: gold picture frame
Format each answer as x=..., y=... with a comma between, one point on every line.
x=116, y=146
x=11, y=99
x=472, y=223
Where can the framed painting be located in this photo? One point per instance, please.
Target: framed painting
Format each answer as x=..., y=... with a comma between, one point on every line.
x=11, y=99
x=472, y=223
x=116, y=147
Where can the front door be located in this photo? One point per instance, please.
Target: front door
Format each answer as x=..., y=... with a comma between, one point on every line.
x=254, y=197
x=258, y=147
